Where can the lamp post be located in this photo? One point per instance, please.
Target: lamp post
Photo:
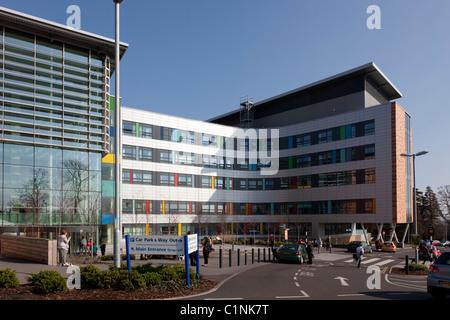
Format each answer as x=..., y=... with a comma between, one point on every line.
x=413, y=156
x=117, y=133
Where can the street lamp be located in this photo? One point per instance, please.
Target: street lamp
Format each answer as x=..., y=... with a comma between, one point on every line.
x=117, y=216
x=414, y=155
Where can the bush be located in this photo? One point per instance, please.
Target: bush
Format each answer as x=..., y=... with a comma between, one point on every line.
x=110, y=257
x=8, y=279
x=121, y=279
x=417, y=267
x=92, y=277
x=49, y=281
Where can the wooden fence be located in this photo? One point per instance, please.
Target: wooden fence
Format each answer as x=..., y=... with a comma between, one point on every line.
x=27, y=248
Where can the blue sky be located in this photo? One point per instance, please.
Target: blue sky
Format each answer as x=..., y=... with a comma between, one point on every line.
x=196, y=58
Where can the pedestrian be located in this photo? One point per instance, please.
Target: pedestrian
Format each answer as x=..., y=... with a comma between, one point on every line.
x=84, y=245
x=206, y=250
x=63, y=248
x=329, y=244
x=309, y=251
x=89, y=246
x=271, y=241
x=319, y=245
x=359, y=254
x=94, y=249
x=192, y=255
x=103, y=248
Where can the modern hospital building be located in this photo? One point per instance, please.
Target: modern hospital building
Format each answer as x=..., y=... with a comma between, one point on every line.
x=321, y=160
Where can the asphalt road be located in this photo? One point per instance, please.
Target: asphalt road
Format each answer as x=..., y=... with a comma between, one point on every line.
x=331, y=277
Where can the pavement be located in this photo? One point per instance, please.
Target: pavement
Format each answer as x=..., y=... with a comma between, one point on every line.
x=214, y=271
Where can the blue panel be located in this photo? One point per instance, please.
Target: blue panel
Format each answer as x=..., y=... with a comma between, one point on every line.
x=107, y=219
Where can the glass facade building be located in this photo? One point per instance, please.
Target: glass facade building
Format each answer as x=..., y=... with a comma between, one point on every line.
x=55, y=124
x=339, y=149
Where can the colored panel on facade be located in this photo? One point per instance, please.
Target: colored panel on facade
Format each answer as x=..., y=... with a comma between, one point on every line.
x=163, y=207
x=107, y=218
x=108, y=189
x=342, y=132
x=109, y=158
x=137, y=129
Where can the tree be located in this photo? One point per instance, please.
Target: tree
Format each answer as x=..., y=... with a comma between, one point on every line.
x=430, y=212
x=34, y=196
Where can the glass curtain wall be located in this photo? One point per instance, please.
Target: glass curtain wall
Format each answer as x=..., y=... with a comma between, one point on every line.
x=54, y=127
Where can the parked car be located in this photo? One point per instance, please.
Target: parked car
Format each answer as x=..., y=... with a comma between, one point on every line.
x=438, y=280
x=389, y=246
x=292, y=252
x=355, y=244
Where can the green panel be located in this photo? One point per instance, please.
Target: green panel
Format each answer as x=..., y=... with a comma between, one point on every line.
x=342, y=128
x=107, y=188
x=137, y=129
x=292, y=162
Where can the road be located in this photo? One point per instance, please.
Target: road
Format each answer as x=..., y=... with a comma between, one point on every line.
x=332, y=276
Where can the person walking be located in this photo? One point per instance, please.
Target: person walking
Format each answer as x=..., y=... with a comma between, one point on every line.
x=309, y=251
x=319, y=245
x=63, y=248
x=103, y=248
x=359, y=254
x=206, y=250
x=84, y=245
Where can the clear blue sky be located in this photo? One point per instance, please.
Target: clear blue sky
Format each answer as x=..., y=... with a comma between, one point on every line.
x=196, y=58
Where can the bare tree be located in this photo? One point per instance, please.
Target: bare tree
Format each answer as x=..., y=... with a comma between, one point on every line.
x=34, y=196
x=444, y=202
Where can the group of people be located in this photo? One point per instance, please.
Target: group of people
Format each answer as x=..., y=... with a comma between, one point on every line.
x=86, y=247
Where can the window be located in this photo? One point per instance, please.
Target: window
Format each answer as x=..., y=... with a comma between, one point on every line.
x=369, y=152
x=129, y=152
x=145, y=154
x=304, y=140
x=165, y=156
x=303, y=161
x=369, y=128
x=326, y=136
x=206, y=182
x=325, y=157
x=167, y=179
x=127, y=206
x=269, y=184
x=126, y=176
x=145, y=131
x=209, y=140
x=369, y=176
x=128, y=128
x=166, y=134
x=184, y=180
x=304, y=182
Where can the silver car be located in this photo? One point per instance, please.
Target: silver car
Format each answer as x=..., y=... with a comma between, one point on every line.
x=438, y=281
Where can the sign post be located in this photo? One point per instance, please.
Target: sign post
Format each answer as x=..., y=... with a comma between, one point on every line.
x=164, y=245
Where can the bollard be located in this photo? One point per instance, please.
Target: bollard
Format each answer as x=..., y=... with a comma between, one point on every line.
x=268, y=250
x=238, y=257
x=264, y=254
x=220, y=258
x=259, y=260
x=229, y=256
x=245, y=257
x=253, y=255
x=407, y=265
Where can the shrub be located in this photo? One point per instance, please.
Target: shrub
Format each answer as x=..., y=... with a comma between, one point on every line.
x=110, y=257
x=8, y=279
x=417, y=267
x=121, y=279
x=152, y=279
x=49, y=281
x=92, y=277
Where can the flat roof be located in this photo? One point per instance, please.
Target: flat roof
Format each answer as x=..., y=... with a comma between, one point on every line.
x=370, y=70
x=59, y=32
